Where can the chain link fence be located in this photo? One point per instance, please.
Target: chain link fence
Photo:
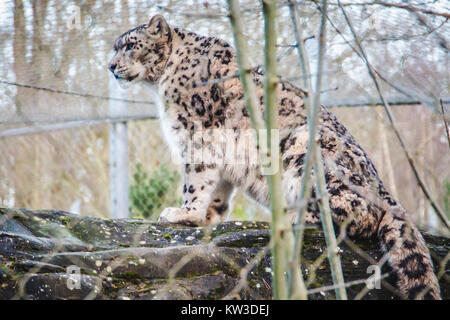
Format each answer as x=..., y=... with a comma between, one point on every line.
x=63, y=122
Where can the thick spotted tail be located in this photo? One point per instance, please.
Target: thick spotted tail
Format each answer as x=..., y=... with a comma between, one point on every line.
x=408, y=256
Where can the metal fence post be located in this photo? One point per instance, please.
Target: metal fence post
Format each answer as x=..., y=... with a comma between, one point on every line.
x=118, y=159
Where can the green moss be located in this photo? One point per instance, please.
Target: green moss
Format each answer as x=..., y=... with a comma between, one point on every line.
x=252, y=283
x=117, y=285
x=129, y=275
x=77, y=234
x=193, y=275
x=218, y=233
x=131, y=258
x=319, y=281
x=51, y=229
x=65, y=220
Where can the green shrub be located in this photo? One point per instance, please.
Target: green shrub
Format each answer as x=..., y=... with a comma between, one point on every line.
x=149, y=195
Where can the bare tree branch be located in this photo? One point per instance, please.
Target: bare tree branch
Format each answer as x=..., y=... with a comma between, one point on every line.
x=396, y=5
x=281, y=231
x=279, y=235
x=313, y=156
x=297, y=288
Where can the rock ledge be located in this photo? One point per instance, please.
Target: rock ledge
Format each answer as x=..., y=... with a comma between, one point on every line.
x=49, y=254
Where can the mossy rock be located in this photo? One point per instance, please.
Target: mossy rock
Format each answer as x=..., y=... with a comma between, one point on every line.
x=139, y=259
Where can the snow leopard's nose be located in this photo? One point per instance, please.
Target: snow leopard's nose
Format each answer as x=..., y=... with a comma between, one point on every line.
x=112, y=67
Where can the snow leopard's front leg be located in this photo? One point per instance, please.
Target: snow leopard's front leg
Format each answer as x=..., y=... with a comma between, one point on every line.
x=199, y=183
x=219, y=202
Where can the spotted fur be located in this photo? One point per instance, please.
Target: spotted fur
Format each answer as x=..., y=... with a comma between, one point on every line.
x=187, y=68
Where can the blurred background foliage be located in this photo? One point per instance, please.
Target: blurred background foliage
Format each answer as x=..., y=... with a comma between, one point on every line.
x=150, y=194
x=43, y=47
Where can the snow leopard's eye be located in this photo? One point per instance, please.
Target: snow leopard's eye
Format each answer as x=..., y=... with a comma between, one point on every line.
x=129, y=46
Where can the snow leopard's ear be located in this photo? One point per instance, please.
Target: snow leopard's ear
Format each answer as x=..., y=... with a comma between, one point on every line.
x=157, y=27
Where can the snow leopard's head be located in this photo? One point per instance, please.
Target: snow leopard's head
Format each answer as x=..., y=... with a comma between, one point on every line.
x=142, y=52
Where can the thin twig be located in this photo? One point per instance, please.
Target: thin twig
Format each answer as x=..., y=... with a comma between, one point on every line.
x=327, y=221
x=445, y=121
x=343, y=285
x=297, y=289
x=395, y=86
x=442, y=41
x=248, y=86
x=313, y=155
